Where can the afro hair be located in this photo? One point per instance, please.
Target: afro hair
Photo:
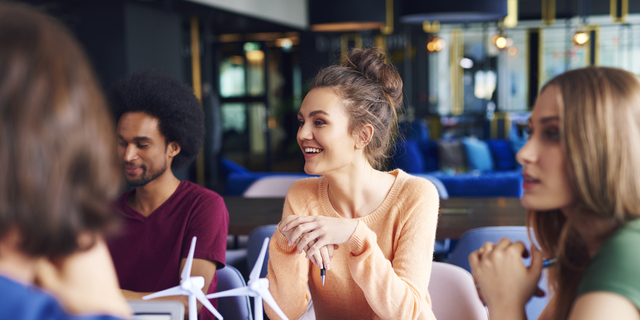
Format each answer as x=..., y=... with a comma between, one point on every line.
x=180, y=115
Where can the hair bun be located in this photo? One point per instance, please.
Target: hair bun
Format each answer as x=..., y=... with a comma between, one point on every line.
x=371, y=63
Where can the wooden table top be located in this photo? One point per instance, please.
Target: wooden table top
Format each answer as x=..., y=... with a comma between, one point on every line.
x=457, y=215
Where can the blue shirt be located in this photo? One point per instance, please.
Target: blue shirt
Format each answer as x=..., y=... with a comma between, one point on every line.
x=22, y=302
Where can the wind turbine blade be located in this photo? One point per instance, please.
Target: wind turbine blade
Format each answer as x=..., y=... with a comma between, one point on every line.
x=175, y=291
x=257, y=307
x=186, y=271
x=268, y=298
x=257, y=268
x=244, y=291
x=193, y=307
x=205, y=302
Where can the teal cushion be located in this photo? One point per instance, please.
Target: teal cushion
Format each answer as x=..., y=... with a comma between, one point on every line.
x=478, y=154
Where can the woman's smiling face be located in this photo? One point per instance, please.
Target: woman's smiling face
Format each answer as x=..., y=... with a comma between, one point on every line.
x=323, y=134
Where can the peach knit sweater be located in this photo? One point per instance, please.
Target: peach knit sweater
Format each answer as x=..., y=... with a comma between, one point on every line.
x=383, y=270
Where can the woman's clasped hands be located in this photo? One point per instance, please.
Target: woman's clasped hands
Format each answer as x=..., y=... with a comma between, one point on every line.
x=317, y=236
x=503, y=281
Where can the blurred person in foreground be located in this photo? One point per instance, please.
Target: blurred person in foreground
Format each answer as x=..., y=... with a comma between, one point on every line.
x=57, y=174
x=581, y=167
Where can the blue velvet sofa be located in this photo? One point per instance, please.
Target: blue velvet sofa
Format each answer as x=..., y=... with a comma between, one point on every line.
x=467, y=167
x=490, y=168
x=238, y=178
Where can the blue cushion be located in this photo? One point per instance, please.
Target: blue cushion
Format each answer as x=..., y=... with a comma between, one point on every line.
x=478, y=154
x=407, y=156
x=503, y=156
x=229, y=166
x=518, y=137
x=429, y=150
x=486, y=185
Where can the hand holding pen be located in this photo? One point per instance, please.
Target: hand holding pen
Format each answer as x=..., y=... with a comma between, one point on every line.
x=502, y=278
x=317, y=236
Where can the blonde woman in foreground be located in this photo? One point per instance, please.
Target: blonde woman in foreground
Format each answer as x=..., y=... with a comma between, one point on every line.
x=582, y=191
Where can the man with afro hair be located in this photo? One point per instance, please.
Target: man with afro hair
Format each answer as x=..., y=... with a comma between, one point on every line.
x=160, y=129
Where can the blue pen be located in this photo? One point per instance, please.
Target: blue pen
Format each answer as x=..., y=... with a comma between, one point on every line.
x=549, y=262
x=322, y=275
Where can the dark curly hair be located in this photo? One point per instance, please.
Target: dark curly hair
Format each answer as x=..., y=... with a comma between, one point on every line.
x=180, y=115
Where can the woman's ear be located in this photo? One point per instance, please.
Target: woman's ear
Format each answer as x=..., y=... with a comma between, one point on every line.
x=365, y=134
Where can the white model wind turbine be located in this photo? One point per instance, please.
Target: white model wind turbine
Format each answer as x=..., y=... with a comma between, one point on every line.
x=257, y=288
x=189, y=286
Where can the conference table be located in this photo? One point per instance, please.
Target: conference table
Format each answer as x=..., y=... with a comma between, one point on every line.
x=457, y=215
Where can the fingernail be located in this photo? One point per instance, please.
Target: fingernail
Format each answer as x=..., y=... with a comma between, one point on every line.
x=328, y=266
x=290, y=243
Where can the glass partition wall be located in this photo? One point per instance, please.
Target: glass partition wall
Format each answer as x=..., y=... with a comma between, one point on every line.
x=256, y=81
x=498, y=84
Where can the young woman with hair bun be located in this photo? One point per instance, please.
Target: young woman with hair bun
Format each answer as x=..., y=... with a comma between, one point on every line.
x=373, y=231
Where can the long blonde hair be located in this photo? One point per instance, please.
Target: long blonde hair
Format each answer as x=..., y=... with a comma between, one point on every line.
x=599, y=122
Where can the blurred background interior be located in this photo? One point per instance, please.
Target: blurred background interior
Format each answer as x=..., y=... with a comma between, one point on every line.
x=471, y=70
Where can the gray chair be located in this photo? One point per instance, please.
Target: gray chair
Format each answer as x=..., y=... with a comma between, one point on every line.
x=453, y=294
x=236, y=307
x=442, y=246
x=267, y=187
x=271, y=186
x=255, y=244
x=474, y=239
x=442, y=190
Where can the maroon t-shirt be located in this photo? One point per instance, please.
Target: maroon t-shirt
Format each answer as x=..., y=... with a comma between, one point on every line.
x=148, y=251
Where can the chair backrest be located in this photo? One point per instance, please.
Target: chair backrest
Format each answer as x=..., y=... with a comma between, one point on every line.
x=271, y=187
x=442, y=190
x=453, y=294
x=236, y=307
x=474, y=239
x=256, y=238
